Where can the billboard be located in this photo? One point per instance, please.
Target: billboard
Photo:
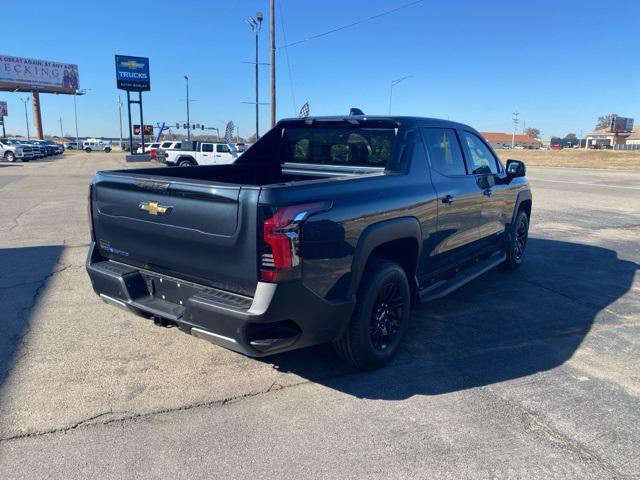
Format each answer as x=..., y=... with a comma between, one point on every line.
x=621, y=124
x=148, y=130
x=132, y=73
x=4, y=112
x=28, y=74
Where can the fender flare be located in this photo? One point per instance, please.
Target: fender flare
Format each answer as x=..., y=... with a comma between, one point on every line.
x=522, y=196
x=378, y=234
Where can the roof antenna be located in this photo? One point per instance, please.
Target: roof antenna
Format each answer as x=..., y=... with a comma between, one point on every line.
x=355, y=111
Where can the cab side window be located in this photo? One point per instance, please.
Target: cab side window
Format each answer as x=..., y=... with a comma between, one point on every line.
x=220, y=148
x=482, y=160
x=444, y=151
x=207, y=147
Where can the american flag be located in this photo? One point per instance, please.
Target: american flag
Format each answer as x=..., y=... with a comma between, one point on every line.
x=304, y=111
x=228, y=132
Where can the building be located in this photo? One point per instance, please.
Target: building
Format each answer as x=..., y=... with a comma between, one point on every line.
x=504, y=140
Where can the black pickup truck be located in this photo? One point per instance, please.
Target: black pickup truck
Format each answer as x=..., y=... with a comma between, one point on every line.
x=328, y=229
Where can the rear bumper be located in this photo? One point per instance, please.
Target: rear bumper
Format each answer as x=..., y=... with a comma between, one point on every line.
x=278, y=318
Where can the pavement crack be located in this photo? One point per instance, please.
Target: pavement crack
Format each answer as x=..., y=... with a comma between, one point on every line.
x=16, y=219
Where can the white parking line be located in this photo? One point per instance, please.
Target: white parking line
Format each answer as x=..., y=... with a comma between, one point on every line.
x=584, y=183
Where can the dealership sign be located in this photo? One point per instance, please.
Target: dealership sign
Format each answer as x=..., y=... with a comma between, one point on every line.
x=28, y=74
x=3, y=109
x=132, y=73
x=148, y=130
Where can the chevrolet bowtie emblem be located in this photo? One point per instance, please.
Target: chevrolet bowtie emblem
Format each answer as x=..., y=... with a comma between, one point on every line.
x=154, y=208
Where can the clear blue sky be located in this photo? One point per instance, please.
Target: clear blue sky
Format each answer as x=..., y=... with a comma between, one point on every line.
x=559, y=63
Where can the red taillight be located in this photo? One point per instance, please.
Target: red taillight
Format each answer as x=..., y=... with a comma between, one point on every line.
x=280, y=259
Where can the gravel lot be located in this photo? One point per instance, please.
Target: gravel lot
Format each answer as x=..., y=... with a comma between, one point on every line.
x=533, y=374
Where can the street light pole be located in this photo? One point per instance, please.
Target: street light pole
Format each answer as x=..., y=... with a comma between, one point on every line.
x=61, y=134
x=272, y=40
x=515, y=125
x=26, y=115
x=120, y=119
x=393, y=84
x=188, y=119
x=256, y=25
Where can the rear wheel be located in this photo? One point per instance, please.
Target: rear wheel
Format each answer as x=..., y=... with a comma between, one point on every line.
x=107, y=150
x=185, y=163
x=380, y=319
x=88, y=150
x=517, y=243
x=10, y=157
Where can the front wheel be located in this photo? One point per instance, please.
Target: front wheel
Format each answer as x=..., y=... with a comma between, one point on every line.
x=107, y=150
x=10, y=157
x=517, y=242
x=88, y=150
x=380, y=318
x=185, y=163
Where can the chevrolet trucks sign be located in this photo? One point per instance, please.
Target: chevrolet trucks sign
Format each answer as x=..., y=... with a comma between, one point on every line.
x=29, y=74
x=132, y=73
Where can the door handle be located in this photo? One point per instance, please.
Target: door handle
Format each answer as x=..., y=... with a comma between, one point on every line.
x=448, y=199
x=487, y=192
x=218, y=155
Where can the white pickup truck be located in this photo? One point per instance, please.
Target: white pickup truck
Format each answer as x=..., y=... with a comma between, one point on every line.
x=13, y=150
x=199, y=153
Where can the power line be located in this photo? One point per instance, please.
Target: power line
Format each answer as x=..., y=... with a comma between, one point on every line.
x=286, y=51
x=344, y=27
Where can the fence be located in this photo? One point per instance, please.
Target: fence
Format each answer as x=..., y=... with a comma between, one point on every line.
x=630, y=146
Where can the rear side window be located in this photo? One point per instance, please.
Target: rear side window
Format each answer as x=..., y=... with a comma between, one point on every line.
x=482, y=160
x=166, y=145
x=178, y=145
x=348, y=146
x=444, y=151
x=207, y=147
x=220, y=148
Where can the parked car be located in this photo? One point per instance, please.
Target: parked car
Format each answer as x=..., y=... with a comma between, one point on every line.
x=148, y=147
x=98, y=146
x=325, y=230
x=194, y=153
x=38, y=150
x=71, y=145
x=12, y=151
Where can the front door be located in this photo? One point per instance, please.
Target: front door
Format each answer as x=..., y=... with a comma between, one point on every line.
x=206, y=154
x=484, y=165
x=459, y=203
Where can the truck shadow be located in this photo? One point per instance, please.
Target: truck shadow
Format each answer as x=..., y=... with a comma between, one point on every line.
x=23, y=274
x=502, y=326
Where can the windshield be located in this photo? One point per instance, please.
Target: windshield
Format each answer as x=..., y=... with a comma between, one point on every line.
x=349, y=146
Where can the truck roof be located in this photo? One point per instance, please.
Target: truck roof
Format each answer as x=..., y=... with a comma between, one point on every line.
x=379, y=120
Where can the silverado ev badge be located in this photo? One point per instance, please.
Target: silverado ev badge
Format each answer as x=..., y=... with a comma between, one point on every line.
x=154, y=208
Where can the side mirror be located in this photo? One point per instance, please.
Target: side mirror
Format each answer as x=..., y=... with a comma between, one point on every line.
x=516, y=168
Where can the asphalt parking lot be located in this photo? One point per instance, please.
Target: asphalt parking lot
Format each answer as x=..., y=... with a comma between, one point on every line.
x=532, y=374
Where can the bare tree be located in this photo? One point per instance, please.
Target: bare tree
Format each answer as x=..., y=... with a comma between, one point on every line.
x=605, y=121
x=532, y=132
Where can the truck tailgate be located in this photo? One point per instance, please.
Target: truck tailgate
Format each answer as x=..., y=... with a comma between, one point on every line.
x=191, y=230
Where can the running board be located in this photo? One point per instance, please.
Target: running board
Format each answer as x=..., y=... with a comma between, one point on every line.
x=445, y=287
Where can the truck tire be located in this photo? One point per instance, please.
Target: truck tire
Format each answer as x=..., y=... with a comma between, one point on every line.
x=107, y=150
x=517, y=241
x=10, y=157
x=380, y=318
x=88, y=150
x=185, y=163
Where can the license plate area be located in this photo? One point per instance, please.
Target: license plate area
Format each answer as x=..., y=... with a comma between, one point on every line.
x=169, y=290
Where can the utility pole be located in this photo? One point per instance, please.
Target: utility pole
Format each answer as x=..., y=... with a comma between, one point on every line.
x=61, y=134
x=26, y=115
x=75, y=113
x=120, y=119
x=272, y=35
x=515, y=126
x=188, y=120
x=256, y=26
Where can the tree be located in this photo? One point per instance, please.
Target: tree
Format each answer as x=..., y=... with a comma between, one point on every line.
x=252, y=138
x=570, y=136
x=570, y=139
x=605, y=121
x=532, y=132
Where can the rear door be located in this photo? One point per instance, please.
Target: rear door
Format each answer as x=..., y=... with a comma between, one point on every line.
x=205, y=155
x=459, y=200
x=192, y=230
